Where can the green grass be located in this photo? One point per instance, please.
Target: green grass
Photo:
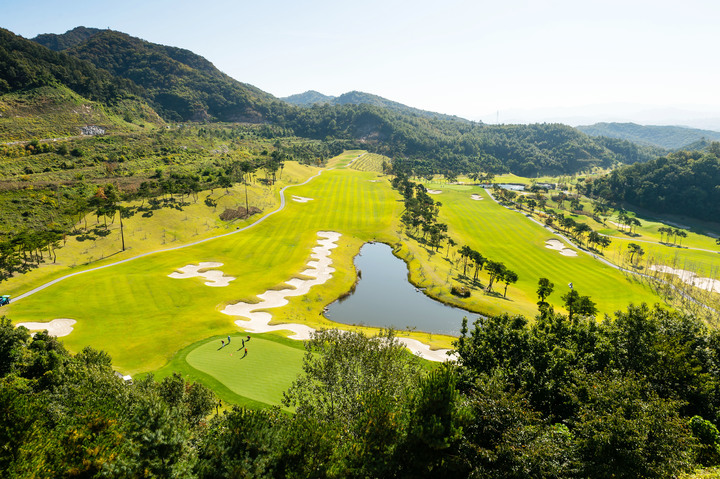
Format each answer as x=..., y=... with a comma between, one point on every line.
x=371, y=162
x=256, y=380
x=141, y=317
x=510, y=237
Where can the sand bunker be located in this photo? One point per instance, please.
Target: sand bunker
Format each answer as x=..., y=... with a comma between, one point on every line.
x=319, y=269
x=688, y=277
x=57, y=327
x=559, y=246
x=476, y=197
x=301, y=199
x=434, y=192
x=424, y=351
x=213, y=277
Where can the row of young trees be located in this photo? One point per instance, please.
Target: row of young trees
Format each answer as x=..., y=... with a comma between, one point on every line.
x=496, y=270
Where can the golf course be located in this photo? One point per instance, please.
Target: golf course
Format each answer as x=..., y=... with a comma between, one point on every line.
x=165, y=307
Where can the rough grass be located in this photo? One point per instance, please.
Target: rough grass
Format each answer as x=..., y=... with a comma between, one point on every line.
x=159, y=229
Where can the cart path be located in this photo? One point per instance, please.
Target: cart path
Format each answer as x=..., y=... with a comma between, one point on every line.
x=187, y=245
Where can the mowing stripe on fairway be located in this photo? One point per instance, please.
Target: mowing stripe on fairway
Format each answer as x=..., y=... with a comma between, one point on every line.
x=260, y=220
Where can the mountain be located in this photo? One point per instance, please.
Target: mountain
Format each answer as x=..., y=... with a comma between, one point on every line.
x=49, y=94
x=311, y=97
x=112, y=68
x=181, y=85
x=69, y=39
x=668, y=137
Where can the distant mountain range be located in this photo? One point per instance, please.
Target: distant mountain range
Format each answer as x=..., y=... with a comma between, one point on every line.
x=668, y=137
x=124, y=83
x=312, y=97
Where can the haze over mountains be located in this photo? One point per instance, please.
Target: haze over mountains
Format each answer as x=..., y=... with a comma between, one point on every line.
x=668, y=137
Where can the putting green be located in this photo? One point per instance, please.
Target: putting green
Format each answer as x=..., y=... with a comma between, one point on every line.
x=262, y=375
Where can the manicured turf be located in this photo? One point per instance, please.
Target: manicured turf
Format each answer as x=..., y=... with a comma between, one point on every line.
x=141, y=317
x=262, y=375
x=510, y=237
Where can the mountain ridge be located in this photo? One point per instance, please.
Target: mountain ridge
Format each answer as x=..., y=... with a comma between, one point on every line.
x=669, y=137
x=312, y=97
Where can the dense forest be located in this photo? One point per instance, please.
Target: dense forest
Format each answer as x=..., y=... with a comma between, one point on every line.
x=684, y=183
x=632, y=396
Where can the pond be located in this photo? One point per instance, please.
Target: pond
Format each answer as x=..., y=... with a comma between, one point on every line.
x=385, y=298
x=505, y=186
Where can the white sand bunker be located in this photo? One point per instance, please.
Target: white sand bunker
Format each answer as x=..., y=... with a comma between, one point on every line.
x=57, y=327
x=424, y=351
x=688, y=277
x=319, y=269
x=301, y=199
x=559, y=246
x=434, y=192
x=476, y=197
x=214, y=277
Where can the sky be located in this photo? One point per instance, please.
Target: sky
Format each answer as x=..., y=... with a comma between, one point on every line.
x=506, y=61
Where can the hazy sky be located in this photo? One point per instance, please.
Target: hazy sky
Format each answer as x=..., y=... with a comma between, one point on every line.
x=469, y=58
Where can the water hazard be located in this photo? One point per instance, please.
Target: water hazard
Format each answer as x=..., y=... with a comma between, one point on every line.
x=385, y=298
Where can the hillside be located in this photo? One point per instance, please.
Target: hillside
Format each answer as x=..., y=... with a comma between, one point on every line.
x=69, y=39
x=668, y=137
x=181, y=85
x=311, y=97
x=683, y=183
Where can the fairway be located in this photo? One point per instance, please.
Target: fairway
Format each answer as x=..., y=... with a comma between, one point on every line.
x=263, y=375
x=510, y=237
x=141, y=317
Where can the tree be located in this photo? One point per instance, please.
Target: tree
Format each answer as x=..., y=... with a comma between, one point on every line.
x=545, y=289
x=509, y=277
x=681, y=234
x=340, y=368
x=436, y=421
x=576, y=304
x=635, y=249
x=450, y=244
x=495, y=269
x=479, y=261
